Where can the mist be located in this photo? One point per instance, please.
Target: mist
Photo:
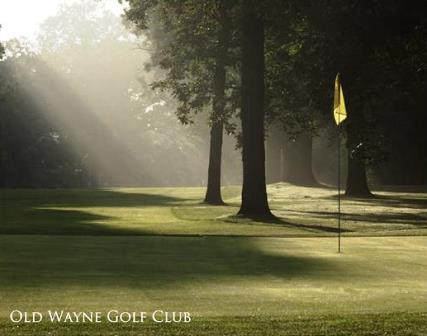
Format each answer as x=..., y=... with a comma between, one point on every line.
x=97, y=121
x=79, y=108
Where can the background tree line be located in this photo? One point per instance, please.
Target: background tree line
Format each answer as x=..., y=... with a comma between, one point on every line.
x=260, y=72
x=281, y=66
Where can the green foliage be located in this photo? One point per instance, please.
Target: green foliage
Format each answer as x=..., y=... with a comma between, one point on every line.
x=43, y=156
x=379, y=49
x=183, y=39
x=379, y=72
x=289, y=55
x=87, y=88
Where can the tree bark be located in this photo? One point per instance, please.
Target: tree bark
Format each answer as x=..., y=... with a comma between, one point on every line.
x=213, y=192
x=357, y=184
x=254, y=193
x=298, y=162
x=273, y=165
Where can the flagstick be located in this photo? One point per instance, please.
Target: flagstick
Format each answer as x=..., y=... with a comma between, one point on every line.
x=339, y=192
x=338, y=111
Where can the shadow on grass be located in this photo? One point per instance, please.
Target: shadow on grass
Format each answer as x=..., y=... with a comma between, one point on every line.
x=47, y=261
x=84, y=198
x=380, y=201
x=146, y=262
x=414, y=202
x=279, y=221
x=65, y=222
x=396, y=201
x=386, y=217
x=39, y=211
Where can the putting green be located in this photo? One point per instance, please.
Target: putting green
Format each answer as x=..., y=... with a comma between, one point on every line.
x=231, y=285
x=214, y=276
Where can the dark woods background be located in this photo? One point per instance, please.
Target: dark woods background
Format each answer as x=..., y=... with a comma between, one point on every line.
x=91, y=104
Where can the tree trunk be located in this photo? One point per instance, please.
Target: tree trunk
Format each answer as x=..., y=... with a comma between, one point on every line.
x=274, y=145
x=213, y=192
x=357, y=184
x=298, y=160
x=254, y=193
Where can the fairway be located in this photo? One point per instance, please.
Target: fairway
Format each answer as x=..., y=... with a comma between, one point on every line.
x=231, y=285
x=215, y=276
x=284, y=279
x=179, y=211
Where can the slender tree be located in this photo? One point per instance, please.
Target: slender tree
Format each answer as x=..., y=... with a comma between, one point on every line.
x=213, y=192
x=190, y=41
x=254, y=193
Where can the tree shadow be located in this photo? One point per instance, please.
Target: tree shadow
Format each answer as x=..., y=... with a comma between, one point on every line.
x=279, y=221
x=67, y=222
x=380, y=216
x=78, y=248
x=415, y=189
x=45, y=211
x=86, y=198
x=147, y=262
x=415, y=202
x=386, y=217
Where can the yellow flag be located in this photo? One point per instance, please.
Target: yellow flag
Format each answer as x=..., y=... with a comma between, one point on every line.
x=340, y=113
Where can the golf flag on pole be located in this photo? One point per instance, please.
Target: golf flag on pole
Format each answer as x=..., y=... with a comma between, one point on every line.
x=340, y=113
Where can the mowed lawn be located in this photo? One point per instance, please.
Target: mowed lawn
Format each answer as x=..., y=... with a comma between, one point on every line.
x=101, y=250
x=179, y=211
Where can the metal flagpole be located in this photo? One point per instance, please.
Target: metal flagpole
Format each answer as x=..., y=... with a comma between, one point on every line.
x=339, y=111
x=339, y=192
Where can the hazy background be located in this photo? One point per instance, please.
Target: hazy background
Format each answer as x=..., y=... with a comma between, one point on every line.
x=80, y=76
x=77, y=110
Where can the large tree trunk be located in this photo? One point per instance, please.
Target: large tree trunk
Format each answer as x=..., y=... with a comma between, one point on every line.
x=254, y=193
x=297, y=157
x=357, y=184
x=213, y=192
x=273, y=163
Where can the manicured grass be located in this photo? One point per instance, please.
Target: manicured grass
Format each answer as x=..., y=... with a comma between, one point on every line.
x=280, y=279
x=178, y=211
x=160, y=248
x=396, y=324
